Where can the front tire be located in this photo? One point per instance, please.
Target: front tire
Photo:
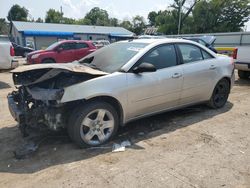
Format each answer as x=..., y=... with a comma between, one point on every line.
x=243, y=74
x=48, y=61
x=220, y=94
x=93, y=124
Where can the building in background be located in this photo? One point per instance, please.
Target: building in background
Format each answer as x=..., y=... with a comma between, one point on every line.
x=41, y=35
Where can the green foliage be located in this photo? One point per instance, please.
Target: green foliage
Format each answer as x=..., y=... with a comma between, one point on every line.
x=113, y=22
x=68, y=20
x=53, y=16
x=202, y=16
x=4, y=27
x=39, y=20
x=197, y=16
x=166, y=22
x=127, y=25
x=83, y=21
x=138, y=25
x=17, y=13
x=152, y=17
x=98, y=16
x=221, y=15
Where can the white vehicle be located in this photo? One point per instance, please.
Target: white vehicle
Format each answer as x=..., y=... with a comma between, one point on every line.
x=242, y=62
x=7, y=56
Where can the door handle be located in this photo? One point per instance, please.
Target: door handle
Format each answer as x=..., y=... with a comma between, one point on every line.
x=177, y=75
x=212, y=67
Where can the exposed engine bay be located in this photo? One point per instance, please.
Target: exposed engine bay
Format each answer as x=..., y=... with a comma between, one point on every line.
x=36, y=102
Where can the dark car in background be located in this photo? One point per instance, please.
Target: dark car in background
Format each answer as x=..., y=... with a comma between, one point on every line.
x=21, y=50
x=62, y=52
x=207, y=41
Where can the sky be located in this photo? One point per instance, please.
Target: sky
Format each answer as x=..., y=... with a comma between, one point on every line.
x=121, y=9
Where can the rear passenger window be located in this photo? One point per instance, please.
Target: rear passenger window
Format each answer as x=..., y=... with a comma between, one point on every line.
x=206, y=55
x=190, y=53
x=161, y=57
x=81, y=45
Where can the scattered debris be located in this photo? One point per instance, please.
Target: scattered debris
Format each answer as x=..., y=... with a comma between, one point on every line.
x=126, y=143
x=118, y=148
x=121, y=147
x=100, y=147
x=55, y=149
x=242, y=152
x=26, y=149
x=8, y=165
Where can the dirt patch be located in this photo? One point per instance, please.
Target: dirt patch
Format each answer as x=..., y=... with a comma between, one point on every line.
x=192, y=147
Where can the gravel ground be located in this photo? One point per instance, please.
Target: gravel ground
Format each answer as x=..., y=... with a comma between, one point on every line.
x=192, y=147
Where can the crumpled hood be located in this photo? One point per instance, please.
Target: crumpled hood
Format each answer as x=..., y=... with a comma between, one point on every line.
x=33, y=74
x=73, y=67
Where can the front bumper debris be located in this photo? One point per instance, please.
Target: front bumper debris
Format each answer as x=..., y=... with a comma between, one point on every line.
x=15, y=111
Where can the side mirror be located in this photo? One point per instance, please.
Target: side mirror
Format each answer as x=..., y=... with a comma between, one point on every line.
x=59, y=50
x=144, y=67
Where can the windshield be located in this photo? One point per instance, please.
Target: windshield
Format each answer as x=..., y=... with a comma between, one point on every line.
x=52, y=46
x=111, y=58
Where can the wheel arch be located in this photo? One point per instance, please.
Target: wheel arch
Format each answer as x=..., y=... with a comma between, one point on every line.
x=228, y=79
x=48, y=58
x=112, y=101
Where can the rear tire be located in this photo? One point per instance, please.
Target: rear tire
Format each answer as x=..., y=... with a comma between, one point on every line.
x=220, y=94
x=93, y=124
x=243, y=74
x=48, y=61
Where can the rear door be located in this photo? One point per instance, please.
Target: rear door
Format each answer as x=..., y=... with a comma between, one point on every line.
x=155, y=91
x=67, y=54
x=82, y=49
x=199, y=71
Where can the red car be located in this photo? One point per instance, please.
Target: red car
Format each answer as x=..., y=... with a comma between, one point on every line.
x=62, y=52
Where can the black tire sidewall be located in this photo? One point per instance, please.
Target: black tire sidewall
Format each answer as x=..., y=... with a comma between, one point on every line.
x=74, y=125
x=212, y=102
x=48, y=61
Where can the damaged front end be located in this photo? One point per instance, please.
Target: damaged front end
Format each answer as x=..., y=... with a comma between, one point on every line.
x=36, y=103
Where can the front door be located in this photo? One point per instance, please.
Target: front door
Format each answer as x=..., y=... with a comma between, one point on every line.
x=155, y=91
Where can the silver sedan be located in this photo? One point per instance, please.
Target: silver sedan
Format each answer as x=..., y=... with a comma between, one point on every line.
x=118, y=84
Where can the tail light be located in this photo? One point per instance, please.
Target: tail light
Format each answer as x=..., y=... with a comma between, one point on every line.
x=235, y=52
x=12, y=51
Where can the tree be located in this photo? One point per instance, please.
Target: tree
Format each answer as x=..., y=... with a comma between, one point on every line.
x=17, y=13
x=221, y=15
x=53, y=16
x=4, y=27
x=127, y=25
x=98, y=16
x=138, y=25
x=152, y=17
x=83, y=21
x=66, y=20
x=39, y=20
x=113, y=22
x=183, y=8
x=166, y=22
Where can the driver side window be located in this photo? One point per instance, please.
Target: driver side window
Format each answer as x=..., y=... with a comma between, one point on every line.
x=68, y=46
x=161, y=57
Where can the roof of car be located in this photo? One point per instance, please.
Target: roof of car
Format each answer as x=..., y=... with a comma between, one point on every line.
x=81, y=41
x=150, y=41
